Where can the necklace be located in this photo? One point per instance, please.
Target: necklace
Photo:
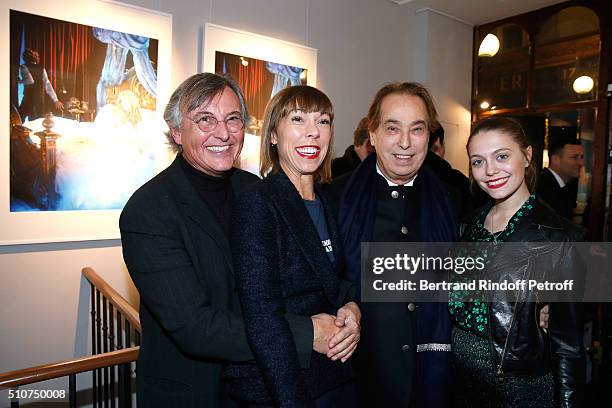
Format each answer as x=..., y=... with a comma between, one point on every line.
x=497, y=234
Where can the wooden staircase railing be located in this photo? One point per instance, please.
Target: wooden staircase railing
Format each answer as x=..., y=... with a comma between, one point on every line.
x=114, y=349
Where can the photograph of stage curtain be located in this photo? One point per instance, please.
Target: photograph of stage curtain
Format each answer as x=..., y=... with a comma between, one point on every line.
x=260, y=81
x=66, y=50
x=81, y=98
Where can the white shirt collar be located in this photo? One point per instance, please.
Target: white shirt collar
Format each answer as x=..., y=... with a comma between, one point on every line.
x=392, y=184
x=557, y=177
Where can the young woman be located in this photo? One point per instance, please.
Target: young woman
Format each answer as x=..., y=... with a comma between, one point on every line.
x=501, y=356
x=288, y=258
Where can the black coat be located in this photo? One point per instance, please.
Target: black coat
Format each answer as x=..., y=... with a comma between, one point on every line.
x=561, y=199
x=281, y=266
x=180, y=261
x=345, y=163
x=457, y=183
x=386, y=360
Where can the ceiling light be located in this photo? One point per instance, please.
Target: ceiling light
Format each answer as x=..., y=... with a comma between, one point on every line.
x=489, y=46
x=484, y=105
x=583, y=85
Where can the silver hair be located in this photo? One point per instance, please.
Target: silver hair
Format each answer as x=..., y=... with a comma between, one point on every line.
x=193, y=92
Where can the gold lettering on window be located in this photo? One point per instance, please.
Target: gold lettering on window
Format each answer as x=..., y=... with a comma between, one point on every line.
x=510, y=82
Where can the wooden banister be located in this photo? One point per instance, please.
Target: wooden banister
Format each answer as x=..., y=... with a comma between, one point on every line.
x=114, y=297
x=112, y=370
x=64, y=368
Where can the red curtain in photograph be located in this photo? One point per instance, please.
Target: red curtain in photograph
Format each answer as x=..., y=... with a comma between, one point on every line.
x=66, y=51
x=254, y=80
x=252, y=77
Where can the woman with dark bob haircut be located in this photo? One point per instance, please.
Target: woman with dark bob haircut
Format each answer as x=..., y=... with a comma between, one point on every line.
x=287, y=260
x=501, y=355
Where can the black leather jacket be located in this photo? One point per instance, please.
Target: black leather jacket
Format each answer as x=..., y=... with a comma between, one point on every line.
x=519, y=347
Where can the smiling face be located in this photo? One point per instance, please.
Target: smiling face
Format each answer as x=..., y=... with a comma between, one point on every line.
x=302, y=141
x=498, y=164
x=401, y=137
x=215, y=151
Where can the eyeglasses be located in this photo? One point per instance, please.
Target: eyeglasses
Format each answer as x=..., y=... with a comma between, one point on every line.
x=208, y=123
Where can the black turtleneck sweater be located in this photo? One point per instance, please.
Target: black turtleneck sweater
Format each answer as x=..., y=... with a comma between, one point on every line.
x=216, y=192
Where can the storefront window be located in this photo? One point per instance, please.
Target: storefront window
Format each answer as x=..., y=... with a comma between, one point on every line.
x=567, y=48
x=502, y=76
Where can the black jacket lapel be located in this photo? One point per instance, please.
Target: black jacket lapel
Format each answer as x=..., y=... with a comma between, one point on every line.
x=197, y=210
x=294, y=214
x=332, y=228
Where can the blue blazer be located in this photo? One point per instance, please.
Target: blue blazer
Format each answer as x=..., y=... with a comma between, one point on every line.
x=281, y=267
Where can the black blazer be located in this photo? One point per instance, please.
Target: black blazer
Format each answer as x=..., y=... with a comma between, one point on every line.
x=345, y=163
x=561, y=199
x=281, y=266
x=180, y=261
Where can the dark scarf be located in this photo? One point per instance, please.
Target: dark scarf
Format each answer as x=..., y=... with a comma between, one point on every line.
x=439, y=223
x=357, y=212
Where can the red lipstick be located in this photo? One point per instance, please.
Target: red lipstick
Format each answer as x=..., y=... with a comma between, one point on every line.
x=496, y=186
x=308, y=151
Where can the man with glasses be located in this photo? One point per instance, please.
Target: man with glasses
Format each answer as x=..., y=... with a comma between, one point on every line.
x=174, y=237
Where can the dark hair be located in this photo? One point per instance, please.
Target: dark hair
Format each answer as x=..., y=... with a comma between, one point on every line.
x=437, y=134
x=193, y=92
x=361, y=134
x=513, y=129
x=31, y=56
x=558, y=140
x=406, y=88
x=302, y=97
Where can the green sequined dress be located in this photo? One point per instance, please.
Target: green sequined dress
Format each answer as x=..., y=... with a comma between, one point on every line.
x=475, y=383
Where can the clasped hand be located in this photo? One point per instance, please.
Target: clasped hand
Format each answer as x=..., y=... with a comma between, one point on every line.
x=337, y=336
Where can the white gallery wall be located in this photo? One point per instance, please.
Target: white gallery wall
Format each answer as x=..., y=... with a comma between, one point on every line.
x=443, y=62
x=361, y=45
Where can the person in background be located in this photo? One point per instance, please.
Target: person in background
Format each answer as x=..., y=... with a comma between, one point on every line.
x=453, y=178
x=501, y=355
x=174, y=233
x=36, y=87
x=436, y=141
x=355, y=153
x=558, y=184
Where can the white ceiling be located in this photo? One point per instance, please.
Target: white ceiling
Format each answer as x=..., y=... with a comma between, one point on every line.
x=480, y=11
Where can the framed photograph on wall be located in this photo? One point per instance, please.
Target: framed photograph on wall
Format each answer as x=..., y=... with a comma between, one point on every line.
x=85, y=89
x=262, y=66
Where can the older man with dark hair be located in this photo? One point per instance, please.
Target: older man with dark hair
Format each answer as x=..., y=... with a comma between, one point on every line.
x=175, y=245
x=391, y=197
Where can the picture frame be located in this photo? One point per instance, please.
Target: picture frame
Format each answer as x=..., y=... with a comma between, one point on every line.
x=26, y=227
x=225, y=41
